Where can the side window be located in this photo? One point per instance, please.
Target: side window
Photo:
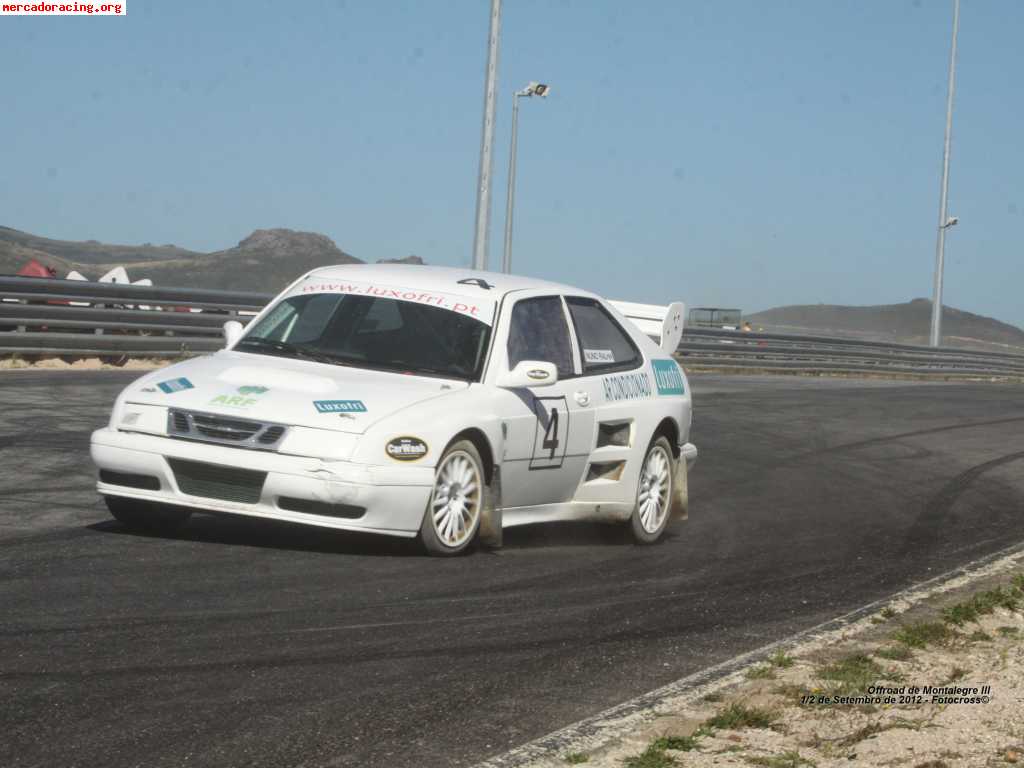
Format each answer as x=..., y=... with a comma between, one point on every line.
x=604, y=345
x=539, y=332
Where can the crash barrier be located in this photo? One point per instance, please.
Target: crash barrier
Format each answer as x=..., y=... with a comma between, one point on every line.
x=713, y=349
x=71, y=318
x=68, y=318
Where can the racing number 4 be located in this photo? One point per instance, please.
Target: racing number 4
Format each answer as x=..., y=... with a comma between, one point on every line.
x=551, y=434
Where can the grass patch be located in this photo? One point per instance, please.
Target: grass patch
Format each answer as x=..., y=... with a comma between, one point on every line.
x=577, y=758
x=780, y=660
x=894, y=653
x=790, y=759
x=851, y=674
x=683, y=743
x=737, y=716
x=789, y=690
x=980, y=636
x=761, y=672
x=652, y=757
x=921, y=634
x=957, y=673
x=865, y=732
x=982, y=604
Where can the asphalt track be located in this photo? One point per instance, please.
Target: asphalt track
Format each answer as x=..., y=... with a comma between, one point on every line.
x=246, y=643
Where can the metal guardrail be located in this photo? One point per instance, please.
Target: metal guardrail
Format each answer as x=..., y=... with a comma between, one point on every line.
x=69, y=318
x=72, y=318
x=703, y=348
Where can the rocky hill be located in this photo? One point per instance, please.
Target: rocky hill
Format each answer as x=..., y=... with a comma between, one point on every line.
x=265, y=261
x=907, y=323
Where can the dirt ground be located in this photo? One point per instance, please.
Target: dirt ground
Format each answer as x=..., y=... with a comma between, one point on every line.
x=85, y=364
x=862, y=698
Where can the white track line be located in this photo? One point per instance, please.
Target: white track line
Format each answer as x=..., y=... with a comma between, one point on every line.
x=597, y=731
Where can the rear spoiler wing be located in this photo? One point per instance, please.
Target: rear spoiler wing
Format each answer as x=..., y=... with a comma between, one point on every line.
x=663, y=324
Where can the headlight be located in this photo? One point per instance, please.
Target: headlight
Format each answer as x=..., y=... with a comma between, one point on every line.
x=318, y=443
x=151, y=419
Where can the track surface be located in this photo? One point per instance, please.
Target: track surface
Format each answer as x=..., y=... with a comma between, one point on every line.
x=251, y=643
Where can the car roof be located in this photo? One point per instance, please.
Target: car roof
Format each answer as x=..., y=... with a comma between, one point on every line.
x=441, y=279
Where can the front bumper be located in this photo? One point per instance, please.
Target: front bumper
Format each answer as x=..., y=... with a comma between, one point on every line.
x=394, y=497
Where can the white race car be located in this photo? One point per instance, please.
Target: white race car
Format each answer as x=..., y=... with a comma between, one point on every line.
x=414, y=401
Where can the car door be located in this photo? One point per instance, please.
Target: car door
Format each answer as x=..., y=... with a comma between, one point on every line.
x=615, y=373
x=548, y=429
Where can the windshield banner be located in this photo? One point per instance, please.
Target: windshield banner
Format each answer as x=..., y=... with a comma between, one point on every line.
x=476, y=308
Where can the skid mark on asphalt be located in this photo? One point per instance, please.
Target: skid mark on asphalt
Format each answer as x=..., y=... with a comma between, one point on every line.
x=929, y=523
x=904, y=435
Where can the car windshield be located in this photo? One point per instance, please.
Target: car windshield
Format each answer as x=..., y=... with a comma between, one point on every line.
x=372, y=332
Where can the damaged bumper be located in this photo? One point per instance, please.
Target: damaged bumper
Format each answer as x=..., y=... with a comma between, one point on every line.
x=387, y=499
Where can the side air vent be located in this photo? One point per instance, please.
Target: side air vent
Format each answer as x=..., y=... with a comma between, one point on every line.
x=613, y=433
x=180, y=422
x=322, y=508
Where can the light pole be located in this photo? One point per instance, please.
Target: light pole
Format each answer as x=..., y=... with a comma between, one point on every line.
x=533, y=89
x=481, y=233
x=945, y=220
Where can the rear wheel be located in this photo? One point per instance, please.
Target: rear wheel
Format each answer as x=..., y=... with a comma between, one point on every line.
x=654, y=493
x=452, y=517
x=147, y=516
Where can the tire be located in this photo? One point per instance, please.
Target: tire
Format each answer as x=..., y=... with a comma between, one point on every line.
x=451, y=523
x=652, y=511
x=147, y=516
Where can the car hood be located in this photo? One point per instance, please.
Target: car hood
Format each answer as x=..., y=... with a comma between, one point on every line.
x=287, y=391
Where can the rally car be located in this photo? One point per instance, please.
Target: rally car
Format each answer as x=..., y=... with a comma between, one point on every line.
x=414, y=401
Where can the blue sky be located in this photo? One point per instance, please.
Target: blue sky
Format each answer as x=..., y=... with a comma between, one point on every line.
x=724, y=152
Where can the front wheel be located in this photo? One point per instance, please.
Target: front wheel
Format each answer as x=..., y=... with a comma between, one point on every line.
x=147, y=516
x=654, y=493
x=452, y=517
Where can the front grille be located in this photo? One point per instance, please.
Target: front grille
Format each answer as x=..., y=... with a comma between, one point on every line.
x=220, y=428
x=214, y=481
x=129, y=480
x=271, y=435
x=180, y=421
x=225, y=430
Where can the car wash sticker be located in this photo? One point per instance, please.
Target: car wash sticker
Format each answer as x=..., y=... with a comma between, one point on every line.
x=598, y=356
x=668, y=377
x=406, y=449
x=626, y=386
x=175, y=385
x=243, y=399
x=339, y=406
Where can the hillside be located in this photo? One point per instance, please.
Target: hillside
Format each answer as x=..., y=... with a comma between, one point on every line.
x=907, y=323
x=265, y=261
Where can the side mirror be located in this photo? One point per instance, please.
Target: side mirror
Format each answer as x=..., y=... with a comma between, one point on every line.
x=232, y=333
x=529, y=373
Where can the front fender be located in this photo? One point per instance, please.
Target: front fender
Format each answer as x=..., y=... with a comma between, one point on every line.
x=435, y=423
